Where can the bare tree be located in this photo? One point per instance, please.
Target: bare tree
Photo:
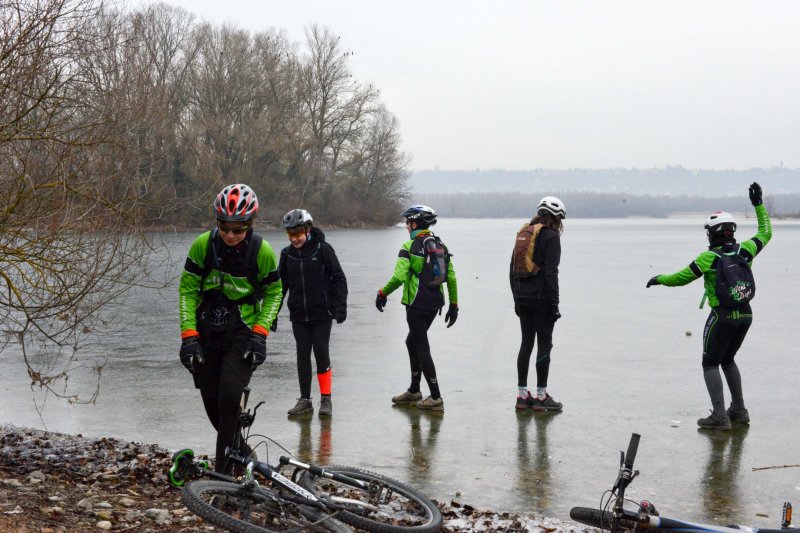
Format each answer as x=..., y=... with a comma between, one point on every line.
x=71, y=238
x=376, y=169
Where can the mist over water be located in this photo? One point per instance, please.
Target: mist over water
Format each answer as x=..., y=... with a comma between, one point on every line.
x=625, y=359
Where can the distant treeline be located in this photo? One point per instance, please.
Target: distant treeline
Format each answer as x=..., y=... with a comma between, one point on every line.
x=599, y=205
x=671, y=180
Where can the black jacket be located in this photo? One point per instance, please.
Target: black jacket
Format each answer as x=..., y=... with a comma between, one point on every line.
x=541, y=288
x=314, y=279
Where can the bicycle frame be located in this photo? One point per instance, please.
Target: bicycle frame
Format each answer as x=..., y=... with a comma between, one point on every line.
x=301, y=495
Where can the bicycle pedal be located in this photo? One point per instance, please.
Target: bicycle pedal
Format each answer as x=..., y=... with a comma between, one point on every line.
x=185, y=468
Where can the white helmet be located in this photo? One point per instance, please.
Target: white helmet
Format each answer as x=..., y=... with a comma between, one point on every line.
x=552, y=205
x=719, y=222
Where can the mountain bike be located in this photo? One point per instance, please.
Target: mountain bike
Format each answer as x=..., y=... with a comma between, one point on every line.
x=298, y=496
x=614, y=517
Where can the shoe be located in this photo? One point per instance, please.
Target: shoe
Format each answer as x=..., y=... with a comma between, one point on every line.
x=429, y=404
x=714, y=421
x=738, y=415
x=302, y=406
x=548, y=404
x=326, y=405
x=407, y=397
x=524, y=403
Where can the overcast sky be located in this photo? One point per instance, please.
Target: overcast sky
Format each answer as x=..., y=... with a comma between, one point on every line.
x=521, y=84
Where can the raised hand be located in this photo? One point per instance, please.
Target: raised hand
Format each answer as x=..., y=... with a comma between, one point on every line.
x=756, y=196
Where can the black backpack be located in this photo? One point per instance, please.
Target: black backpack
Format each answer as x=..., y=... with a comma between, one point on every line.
x=735, y=283
x=434, y=268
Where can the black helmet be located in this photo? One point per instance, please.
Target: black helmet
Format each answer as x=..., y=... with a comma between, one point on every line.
x=295, y=218
x=423, y=215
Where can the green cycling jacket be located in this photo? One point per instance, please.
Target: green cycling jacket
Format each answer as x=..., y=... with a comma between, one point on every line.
x=406, y=272
x=258, y=316
x=703, y=265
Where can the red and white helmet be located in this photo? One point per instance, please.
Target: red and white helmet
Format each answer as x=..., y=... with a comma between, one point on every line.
x=236, y=203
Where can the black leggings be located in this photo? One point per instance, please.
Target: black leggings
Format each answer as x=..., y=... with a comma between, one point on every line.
x=311, y=335
x=419, y=350
x=534, y=322
x=723, y=336
x=221, y=380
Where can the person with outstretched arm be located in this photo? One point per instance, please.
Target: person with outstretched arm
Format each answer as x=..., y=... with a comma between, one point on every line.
x=729, y=287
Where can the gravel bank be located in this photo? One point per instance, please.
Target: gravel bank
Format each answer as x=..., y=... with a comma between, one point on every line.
x=51, y=482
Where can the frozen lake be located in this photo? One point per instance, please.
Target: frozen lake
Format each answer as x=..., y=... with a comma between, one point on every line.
x=625, y=359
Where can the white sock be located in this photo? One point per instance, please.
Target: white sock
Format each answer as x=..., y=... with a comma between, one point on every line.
x=522, y=392
x=541, y=392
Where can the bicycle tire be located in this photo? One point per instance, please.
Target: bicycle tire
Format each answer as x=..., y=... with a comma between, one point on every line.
x=599, y=519
x=406, y=511
x=260, y=510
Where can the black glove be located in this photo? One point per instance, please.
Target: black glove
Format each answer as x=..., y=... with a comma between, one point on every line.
x=452, y=315
x=274, y=326
x=554, y=313
x=191, y=353
x=381, y=301
x=652, y=281
x=756, y=197
x=257, y=349
x=340, y=316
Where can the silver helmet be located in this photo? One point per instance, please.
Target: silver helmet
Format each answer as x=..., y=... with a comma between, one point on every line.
x=297, y=217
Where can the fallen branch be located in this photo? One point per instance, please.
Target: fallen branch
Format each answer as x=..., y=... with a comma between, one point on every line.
x=774, y=467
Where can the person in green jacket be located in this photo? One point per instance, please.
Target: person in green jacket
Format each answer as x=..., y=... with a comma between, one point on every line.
x=230, y=291
x=726, y=326
x=423, y=268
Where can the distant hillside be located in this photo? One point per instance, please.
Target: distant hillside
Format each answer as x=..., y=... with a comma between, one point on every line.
x=587, y=204
x=671, y=181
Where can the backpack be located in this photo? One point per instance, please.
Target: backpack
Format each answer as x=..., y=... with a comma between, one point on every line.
x=522, y=258
x=434, y=268
x=735, y=283
x=250, y=259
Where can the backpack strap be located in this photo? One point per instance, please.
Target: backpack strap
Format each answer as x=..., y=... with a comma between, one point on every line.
x=251, y=260
x=210, y=261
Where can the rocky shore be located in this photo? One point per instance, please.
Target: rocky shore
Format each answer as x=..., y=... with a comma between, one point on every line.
x=52, y=483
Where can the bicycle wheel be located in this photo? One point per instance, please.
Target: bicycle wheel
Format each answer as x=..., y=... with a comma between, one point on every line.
x=395, y=507
x=237, y=508
x=598, y=518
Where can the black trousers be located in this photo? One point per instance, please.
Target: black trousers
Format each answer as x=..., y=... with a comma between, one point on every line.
x=723, y=335
x=419, y=349
x=221, y=380
x=535, y=322
x=314, y=335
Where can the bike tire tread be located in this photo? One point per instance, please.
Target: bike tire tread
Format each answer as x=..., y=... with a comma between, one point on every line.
x=192, y=498
x=432, y=526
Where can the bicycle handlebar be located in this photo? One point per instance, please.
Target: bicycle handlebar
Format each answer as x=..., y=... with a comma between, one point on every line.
x=633, y=445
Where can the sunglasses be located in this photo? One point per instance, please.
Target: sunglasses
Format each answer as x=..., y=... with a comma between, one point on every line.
x=295, y=232
x=236, y=231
